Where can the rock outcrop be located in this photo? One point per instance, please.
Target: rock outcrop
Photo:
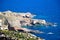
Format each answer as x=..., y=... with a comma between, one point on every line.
x=17, y=20
x=14, y=21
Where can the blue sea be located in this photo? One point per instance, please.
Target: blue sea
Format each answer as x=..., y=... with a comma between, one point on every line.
x=48, y=10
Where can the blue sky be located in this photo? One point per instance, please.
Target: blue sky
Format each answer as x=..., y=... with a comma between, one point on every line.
x=43, y=7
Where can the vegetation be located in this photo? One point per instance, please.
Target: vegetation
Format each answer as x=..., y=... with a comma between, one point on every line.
x=17, y=35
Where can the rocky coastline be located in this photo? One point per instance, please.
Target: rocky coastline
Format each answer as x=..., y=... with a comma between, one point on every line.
x=13, y=21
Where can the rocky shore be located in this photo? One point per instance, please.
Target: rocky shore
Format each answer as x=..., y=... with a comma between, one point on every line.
x=13, y=21
x=17, y=20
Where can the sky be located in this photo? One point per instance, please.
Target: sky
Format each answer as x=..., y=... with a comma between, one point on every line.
x=39, y=7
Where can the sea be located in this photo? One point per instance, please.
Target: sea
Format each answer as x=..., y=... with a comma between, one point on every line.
x=49, y=32
x=48, y=10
